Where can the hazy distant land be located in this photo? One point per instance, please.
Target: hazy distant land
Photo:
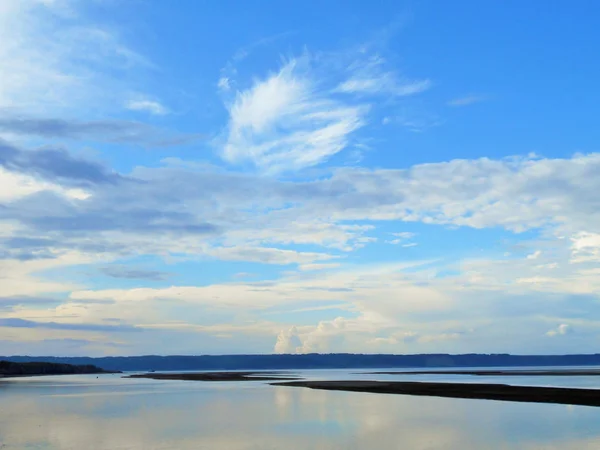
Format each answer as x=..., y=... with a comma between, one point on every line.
x=315, y=361
x=12, y=369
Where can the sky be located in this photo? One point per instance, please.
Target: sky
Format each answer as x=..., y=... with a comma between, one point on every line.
x=297, y=177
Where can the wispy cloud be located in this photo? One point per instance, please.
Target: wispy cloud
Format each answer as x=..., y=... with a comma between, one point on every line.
x=24, y=323
x=149, y=106
x=267, y=255
x=402, y=237
x=467, y=100
x=370, y=77
x=55, y=59
x=132, y=273
x=117, y=131
x=285, y=122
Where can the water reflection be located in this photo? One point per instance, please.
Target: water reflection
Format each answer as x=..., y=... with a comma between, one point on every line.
x=112, y=413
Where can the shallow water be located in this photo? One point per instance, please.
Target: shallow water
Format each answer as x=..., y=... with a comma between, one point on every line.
x=109, y=412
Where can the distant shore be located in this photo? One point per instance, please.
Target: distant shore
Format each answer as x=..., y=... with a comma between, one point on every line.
x=504, y=372
x=9, y=369
x=215, y=376
x=531, y=394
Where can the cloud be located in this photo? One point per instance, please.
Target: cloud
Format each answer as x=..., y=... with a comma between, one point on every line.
x=223, y=84
x=24, y=300
x=128, y=273
x=284, y=122
x=266, y=255
x=561, y=330
x=59, y=59
x=325, y=266
x=185, y=209
x=402, y=238
x=369, y=77
x=22, y=323
x=145, y=105
x=467, y=100
x=116, y=131
x=288, y=341
x=416, y=122
x=405, y=235
x=55, y=165
x=585, y=247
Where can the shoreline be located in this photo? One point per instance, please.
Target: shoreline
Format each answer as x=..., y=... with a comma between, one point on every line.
x=516, y=372
x=215, y=376
x=502, y=392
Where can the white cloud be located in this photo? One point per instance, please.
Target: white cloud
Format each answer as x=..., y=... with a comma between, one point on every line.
x=288, y=341
x=514, y=193
x=534, y=255
x=266, y=255
x=369, y=77
x=224, y=84
x=561, y=330
x=145, y=105
x=14, y=186
x=467, y=100
x=284, y=122
x=585, y=247
x=404, y=235
x=53, y=59
x=307, y=267
x=402, y=238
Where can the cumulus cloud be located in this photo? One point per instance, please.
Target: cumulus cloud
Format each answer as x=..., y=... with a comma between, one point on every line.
x=288, y=341
x=585, y=247
x=561, y=330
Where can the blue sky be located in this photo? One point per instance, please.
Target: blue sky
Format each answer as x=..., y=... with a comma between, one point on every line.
x=258, y=177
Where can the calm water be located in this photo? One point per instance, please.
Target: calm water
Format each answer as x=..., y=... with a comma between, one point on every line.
x=108, y=412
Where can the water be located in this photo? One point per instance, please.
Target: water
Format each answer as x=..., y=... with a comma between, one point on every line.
x=109, y=412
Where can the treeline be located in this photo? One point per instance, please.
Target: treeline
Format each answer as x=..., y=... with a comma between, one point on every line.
x=11, y=368
x=315, y=361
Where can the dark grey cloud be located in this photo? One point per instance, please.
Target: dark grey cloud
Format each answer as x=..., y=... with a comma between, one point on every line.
x=130, y=273
x=23, y=323
x=55, y=164
x=117, y=131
